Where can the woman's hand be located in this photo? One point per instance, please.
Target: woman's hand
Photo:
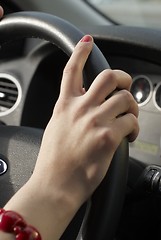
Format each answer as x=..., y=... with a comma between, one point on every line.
x=78, y=144
x=85, y=130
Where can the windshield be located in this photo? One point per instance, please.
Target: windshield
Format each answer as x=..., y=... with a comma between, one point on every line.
x=146, y=13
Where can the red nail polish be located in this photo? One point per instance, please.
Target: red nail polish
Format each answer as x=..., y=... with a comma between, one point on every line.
x=86, y=38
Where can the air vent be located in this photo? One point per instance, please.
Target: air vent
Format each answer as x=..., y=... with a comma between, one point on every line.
x=10, y=93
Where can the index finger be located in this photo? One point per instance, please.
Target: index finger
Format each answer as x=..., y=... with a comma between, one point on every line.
x=72, y=80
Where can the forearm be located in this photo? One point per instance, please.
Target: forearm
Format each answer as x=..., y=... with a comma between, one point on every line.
x=49, y=215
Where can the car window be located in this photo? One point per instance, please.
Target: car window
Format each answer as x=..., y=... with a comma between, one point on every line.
x=146, y=13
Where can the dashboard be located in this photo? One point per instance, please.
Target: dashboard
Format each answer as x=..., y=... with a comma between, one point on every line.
x=145, y=88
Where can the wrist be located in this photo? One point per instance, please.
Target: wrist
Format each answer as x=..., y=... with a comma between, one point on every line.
x=42, y=209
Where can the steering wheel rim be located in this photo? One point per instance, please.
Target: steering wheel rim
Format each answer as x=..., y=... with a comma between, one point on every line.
x=108, y=199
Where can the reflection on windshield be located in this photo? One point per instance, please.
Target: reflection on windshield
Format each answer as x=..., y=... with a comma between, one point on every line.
x=145, y=13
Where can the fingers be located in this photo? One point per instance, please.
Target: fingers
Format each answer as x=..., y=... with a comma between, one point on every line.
x=72, y=76
x=1, y=12
x=105, y=83
x=126, y=126
x=121, y=108
x=120, y=103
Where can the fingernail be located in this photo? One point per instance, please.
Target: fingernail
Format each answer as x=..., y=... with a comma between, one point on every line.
x=86, y=38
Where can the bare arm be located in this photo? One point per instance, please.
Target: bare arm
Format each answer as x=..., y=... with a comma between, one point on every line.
x=78, y=145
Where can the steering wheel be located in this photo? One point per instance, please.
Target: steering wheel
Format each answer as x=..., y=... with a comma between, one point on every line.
x=101, y=218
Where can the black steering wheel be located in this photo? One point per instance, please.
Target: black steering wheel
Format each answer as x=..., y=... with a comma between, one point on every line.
x=16, y=143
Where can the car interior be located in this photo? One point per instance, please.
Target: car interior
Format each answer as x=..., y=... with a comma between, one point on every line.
x=31, y=69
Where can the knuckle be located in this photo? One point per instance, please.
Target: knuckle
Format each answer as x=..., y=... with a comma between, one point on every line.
x=134, y=128
x=107, y=139
x=127, y=96
x=136, y=108
x=132, y=104
x=109, y=74
x=129, y=78
x=93, y=123
x=124, y=75
x=70, y=68
x=134, y=121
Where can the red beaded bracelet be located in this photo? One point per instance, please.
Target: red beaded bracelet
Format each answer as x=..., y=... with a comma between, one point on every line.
x=12, y=222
